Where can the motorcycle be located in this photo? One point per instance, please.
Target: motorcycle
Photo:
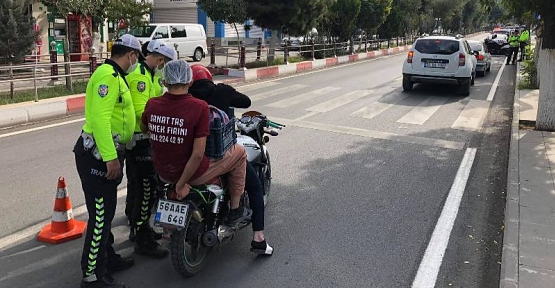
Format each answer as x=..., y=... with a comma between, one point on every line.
x=196, y=225
x=497, y=46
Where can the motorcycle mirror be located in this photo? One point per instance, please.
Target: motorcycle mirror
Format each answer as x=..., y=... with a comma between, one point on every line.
x=266, y=139
x=252, y=114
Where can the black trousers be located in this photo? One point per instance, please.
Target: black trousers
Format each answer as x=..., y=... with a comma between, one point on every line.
x=522, y=50
x=143, y=178
x=101, y=201
x=513, y=52
x=253, y=186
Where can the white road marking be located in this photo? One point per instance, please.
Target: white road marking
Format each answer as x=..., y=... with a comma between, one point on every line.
x=472, y=116
x=421, y=113
x=283, y=90
x=428, y=270
x=496, y=83
x=339, y=101
x=245, y=89
x=24, y=252
x=41, y=128
x=302, y=97
x=380, y=106
x=373, y=134
x=7, y=241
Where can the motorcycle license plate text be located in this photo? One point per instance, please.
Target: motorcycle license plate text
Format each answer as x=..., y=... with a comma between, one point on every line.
x=172, y=213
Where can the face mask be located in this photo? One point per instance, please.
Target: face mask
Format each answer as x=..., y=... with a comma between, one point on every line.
x=158, y=72
x=133, y=66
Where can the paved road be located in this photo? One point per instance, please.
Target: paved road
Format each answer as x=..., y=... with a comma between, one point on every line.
x=362, y=174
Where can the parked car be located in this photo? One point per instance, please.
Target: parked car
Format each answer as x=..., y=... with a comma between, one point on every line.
x=440, y=59
x=483, y=57
x=190, y=38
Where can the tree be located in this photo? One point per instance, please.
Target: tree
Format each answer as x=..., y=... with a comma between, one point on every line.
x=522, y=9
x=343, y=18
x=133, y=12
x=96, y=9
x=17, y=37
x=295, y=17
x=373, y=13
x=228, y=11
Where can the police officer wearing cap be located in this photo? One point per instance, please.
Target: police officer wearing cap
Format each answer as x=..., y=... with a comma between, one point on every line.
x=109, y=124
x=138, y=154
x=158, y=89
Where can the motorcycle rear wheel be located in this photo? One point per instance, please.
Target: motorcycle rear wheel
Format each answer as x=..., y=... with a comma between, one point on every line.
x=183, y=253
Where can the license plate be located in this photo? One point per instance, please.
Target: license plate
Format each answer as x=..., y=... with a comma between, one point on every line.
x=435, y=65
x=171, y=213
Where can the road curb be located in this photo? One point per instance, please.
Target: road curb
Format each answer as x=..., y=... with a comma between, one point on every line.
x=509, y=262
x=246, y=75
x=27, y=112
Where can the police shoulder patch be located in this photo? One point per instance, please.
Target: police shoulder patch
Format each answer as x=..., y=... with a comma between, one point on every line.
x=141, y=86
x=103, y=90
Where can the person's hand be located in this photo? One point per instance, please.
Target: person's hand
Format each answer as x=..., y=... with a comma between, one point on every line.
x=182, y=190
x=114, y=168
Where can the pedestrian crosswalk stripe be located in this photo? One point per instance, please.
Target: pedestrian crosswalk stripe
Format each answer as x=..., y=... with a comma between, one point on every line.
x=271, y=93
x=472, y=116
x=380, y=106
x=339, y=101
x=302, y=97
x=256, y=86
x=421, y=113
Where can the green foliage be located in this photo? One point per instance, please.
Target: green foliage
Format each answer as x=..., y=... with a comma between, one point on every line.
x=529, y=76
x=79, y=87
x=96, y=9
x=132, y=11
x=343, y=16
x=228, y=11
x=17, y=37
x=294, y=17
x=373, y=13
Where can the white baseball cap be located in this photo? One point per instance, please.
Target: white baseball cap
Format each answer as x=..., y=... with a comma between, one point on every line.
x=129, y=41
x=167, y=51
x=153, y=45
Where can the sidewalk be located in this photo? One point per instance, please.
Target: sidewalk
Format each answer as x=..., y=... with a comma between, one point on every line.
x=529, y=242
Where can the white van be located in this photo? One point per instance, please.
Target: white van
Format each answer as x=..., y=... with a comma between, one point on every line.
x=190, y=38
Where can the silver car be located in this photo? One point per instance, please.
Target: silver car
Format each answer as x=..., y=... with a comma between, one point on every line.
x=480, y=50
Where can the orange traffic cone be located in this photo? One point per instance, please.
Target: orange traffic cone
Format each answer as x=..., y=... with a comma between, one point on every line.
x=63, y=227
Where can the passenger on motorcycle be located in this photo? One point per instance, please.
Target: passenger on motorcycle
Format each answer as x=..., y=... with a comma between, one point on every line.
x=223, y=96
x=178, y=125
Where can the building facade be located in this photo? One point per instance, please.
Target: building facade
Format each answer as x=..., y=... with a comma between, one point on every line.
x=187, y=11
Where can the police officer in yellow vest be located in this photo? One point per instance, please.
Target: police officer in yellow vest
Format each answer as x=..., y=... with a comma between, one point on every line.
x=513, y=47
x=524, y=40
x=158, y=89
x=138, y=154
x=109, y=123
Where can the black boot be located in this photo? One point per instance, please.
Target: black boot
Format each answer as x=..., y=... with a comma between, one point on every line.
x=104, y=281
x=145, y=244
x=119, y=263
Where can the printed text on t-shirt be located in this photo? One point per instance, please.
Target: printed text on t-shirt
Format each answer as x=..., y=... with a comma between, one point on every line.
x=166, y=129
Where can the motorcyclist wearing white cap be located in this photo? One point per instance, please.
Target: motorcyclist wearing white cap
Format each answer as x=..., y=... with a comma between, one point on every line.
x=138, y=155
x=178, y=146
x=109, y=124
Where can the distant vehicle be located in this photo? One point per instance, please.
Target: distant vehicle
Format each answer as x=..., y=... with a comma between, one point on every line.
x=440, y=59
x=483, y=57
x=190, y=38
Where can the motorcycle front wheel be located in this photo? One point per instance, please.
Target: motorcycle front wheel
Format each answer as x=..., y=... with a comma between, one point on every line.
x=188, y=256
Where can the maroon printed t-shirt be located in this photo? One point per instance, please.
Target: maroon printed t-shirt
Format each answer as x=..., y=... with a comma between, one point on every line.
x=174, y=121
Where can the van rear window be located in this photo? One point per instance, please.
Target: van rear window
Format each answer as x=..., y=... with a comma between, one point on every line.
x=437, y=46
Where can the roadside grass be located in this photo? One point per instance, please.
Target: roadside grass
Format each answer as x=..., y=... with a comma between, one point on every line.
x=43, y=93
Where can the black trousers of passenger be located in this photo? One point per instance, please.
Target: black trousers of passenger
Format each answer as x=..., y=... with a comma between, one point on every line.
x=143, y=178
x=101, y=200
x=254, y=189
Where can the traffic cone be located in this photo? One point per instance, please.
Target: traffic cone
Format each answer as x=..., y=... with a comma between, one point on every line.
x=63, y=227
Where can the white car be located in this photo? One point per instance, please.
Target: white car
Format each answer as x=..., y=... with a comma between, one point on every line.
x=440, y=59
